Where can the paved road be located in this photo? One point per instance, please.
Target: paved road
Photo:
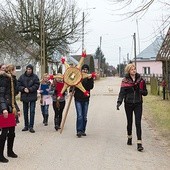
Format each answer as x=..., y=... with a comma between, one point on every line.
x=104, y=147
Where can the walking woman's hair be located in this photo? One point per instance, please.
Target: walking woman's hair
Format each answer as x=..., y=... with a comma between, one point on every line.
x=9, y=69
x=128, y=67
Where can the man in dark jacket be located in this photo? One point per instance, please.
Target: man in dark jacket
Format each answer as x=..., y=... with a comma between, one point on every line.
x=82, y=103
x=28, y=84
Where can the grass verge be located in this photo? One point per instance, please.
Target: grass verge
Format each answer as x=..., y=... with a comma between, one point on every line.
x=157, y=113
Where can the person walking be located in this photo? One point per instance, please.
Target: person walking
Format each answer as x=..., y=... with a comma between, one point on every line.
x=46, y=97
x=58, y=104
x=133, y=87
x=82, y=103
x=8, y=107
x=28, y=84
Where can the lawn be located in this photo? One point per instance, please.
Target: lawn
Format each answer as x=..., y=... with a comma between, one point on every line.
x=157, y=112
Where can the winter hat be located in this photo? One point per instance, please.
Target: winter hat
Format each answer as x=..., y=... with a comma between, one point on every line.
x=29, y=66
x=85, y=66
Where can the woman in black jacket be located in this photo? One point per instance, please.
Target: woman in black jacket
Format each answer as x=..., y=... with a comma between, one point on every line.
x=132, y=89
x=8, y=105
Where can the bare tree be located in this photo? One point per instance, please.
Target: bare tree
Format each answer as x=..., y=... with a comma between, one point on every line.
x=20, y=26
x=139, y=7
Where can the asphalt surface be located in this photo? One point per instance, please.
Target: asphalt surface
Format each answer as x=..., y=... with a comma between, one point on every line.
x=104, y=147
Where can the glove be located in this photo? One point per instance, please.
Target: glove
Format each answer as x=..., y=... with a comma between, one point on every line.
x=141, y=91
x=141, y=84
x=118, y=105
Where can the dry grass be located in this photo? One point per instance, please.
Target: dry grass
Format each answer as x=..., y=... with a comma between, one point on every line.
x=157, y=112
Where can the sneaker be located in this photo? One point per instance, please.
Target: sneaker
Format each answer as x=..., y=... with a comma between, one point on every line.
x=25, y=129
x=83, y=134
x=140, y=147
x=79, y=134
x=32, y=130
x=129, y=141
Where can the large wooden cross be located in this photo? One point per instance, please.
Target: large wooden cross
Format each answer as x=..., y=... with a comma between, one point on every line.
x=73, y=77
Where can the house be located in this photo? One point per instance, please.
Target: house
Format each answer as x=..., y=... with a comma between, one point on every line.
x=164, y=57
x=20, y=62
x=146, y=62
x=88, y=60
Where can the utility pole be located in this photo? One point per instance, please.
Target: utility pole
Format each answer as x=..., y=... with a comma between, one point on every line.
x=100, y=42
x=128, y=58
x=42, y=38
x=138, y=35
x=100, y=54
x=83, y=21
x=119, y=59
x=134, y=38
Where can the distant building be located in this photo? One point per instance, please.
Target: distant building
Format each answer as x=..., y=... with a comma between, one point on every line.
x=146, y=62
x=88, y=60
x=164, y=57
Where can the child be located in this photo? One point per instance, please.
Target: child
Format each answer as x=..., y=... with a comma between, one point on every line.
x=46, y=99
x=58, y=105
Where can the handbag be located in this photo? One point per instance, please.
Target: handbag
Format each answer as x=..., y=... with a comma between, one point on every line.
x=10, y=121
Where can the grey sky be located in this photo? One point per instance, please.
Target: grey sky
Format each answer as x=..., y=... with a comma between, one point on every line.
x=117, y=34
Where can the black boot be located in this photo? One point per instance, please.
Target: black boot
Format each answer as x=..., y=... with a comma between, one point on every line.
x=43, y=118
x=129, y=141
x=10, y=143
x=56, y=122
x=2, y=144
x=139, y=147
x=46, y=120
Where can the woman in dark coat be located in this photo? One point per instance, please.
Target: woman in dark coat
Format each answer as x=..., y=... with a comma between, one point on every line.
x=8, y=105
x=132, y=89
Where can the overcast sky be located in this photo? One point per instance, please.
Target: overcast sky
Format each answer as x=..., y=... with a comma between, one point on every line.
x=104, y=23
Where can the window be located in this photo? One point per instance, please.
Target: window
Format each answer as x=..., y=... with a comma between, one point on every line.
x=18, y=68
x=146, y=70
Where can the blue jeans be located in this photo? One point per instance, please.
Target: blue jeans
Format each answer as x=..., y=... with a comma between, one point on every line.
x=44, y=109
x=81, y=109
x=26, y=107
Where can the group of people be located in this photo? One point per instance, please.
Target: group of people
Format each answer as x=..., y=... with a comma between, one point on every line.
x=132, y=89
x=28, y=84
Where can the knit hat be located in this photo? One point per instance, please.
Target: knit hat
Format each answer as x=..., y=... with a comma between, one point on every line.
x=29, y=66
x=85, y=66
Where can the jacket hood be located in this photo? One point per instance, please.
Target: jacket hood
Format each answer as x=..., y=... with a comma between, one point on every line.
x=29, y=66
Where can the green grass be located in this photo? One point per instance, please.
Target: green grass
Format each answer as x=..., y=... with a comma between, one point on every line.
x=157, y=112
